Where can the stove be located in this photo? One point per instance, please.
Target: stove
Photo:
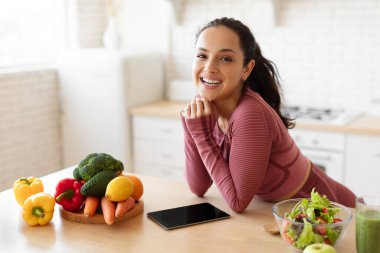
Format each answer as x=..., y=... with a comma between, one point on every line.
x=318, y=115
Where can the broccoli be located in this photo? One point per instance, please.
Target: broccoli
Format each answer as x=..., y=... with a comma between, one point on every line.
x=92, y=164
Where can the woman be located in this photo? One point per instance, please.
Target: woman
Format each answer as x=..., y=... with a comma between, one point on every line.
x=235, y=133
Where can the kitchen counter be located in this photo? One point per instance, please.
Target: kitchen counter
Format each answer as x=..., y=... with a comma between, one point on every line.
x=364, y=125
x=240, y=233
x=163, y=109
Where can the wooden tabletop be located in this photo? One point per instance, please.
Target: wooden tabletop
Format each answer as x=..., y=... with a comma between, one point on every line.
x=240, y=233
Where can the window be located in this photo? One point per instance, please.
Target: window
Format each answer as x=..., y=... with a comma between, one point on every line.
x=30, y=31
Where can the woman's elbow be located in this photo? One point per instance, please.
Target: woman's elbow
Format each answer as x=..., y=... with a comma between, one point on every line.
x=238, y=206
x=199, y=194
x=238, y=209
x=197, y=188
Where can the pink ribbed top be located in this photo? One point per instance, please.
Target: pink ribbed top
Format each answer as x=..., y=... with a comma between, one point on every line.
x=255, y=157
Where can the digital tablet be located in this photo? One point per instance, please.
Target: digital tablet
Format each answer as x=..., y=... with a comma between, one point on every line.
x=187, y=215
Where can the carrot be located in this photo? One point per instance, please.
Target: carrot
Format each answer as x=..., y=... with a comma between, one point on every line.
x=108, y=208
x=90, y=206
x=124, y=206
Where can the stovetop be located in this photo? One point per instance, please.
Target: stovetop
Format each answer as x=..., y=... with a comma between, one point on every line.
x=331, y=116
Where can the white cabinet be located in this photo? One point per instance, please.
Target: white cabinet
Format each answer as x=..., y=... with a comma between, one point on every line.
x=325, y=149
x=158, y=147
x=363, y=164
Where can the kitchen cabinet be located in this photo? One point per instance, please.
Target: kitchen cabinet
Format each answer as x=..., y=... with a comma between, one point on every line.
x=325, y=145
x=325, y=149
x=362, y=172
x=158, y=147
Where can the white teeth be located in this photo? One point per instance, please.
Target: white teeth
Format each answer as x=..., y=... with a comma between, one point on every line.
x=211, y=82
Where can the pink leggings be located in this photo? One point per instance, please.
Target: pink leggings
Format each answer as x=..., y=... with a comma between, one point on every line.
x=325, y=185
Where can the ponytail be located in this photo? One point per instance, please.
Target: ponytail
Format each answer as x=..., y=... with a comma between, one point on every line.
x=264, y=80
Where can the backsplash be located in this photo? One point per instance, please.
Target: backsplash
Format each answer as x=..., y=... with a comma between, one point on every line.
x=30, y=138
x=326, y=51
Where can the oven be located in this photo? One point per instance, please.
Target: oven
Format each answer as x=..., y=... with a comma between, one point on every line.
x=325, y=149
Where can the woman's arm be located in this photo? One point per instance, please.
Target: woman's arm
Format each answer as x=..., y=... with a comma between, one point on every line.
x=239, y=179
x=196, y=174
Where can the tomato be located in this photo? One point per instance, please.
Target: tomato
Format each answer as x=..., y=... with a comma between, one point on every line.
x=300, y=216
x=321, y=220
x=288, y=238
x=285, y=226
x=321, y=230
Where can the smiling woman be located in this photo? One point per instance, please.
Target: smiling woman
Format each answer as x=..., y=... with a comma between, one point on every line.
x=235, y=133
x=30, y=31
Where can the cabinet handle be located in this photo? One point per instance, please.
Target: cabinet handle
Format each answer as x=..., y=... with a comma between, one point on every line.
x=315, y=142
x=167, y=156
x=166, y=130
x=376, y=155
x=166, y=172
x=323, y=158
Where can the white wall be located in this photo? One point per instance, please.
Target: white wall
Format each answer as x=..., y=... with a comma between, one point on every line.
x=144, y=26
x=327, y=52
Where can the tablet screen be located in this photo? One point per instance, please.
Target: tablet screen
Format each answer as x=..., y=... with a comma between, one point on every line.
x=187, y=215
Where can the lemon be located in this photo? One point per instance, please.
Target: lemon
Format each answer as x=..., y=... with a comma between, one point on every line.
x=119, y=189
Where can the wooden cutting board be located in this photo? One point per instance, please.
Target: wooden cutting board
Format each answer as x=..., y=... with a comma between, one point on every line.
x=98, y=218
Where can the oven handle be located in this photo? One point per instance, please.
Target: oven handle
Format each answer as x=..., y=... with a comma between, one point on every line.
x=320, y=158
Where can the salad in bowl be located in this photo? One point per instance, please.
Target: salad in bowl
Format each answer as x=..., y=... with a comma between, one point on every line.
x=307, y=221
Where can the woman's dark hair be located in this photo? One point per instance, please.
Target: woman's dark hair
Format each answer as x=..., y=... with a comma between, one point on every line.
x=264, y=76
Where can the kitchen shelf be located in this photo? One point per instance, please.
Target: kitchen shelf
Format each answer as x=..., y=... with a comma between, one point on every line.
x=178, y=7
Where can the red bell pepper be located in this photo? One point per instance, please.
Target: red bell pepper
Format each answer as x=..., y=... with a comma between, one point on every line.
x=67, y=194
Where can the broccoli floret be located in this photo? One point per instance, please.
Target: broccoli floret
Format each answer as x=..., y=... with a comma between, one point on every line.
x=78, y=171
x=110, y=163
x=87, y=159
x=76, y=174
x=96, y=162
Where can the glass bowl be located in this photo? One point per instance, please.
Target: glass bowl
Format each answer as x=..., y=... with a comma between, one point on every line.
x=295, y=233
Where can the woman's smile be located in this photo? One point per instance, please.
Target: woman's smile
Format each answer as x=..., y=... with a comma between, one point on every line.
x=210, y=83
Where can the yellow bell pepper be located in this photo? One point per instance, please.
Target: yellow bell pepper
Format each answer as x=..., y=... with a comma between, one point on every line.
x=38, y=209
x=25, y=187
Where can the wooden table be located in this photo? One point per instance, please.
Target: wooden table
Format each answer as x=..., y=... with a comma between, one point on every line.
x=240, y=233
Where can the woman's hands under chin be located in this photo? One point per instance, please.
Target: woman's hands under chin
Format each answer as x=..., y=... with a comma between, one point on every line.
x=199, y=107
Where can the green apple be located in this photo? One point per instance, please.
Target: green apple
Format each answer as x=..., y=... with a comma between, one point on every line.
x=319, y=248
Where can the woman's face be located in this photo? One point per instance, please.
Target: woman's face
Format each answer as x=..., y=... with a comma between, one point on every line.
x=218, y=68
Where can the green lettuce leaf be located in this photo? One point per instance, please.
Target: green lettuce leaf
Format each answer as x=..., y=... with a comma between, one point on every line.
x=306, y=237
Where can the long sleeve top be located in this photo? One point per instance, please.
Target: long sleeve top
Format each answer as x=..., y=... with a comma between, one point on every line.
x=255, y=157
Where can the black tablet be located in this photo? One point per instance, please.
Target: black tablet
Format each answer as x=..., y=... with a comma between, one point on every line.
x=187, y=215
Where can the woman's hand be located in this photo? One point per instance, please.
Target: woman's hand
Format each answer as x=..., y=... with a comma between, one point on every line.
x=199, y=107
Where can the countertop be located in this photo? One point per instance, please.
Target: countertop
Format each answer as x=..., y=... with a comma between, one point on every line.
x=240, y=233
x=363, y=125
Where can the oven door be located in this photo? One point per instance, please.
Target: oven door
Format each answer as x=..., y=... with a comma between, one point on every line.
x=330, y=162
